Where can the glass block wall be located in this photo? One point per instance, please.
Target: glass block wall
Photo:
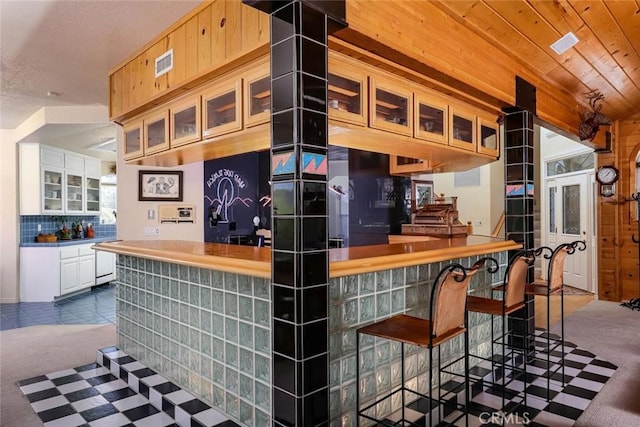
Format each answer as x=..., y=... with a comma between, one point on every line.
x=208, y=331
x=366, y=298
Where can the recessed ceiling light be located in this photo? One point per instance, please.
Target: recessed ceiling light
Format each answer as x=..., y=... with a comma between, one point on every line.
x=564, y=43
x=53, y=94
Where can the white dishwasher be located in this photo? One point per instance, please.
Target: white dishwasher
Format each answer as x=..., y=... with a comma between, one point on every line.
x=105, y=267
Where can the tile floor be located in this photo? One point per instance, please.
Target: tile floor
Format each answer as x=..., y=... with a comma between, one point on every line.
x=94, y=307
x=92, y=395
x=116, y=391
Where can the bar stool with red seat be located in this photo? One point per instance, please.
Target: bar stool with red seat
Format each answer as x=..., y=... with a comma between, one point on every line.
x=448, y=320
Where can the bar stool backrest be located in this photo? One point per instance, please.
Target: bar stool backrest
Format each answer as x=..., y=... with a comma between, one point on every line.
x=516, y=280
x=449, y=298
x=556, y=268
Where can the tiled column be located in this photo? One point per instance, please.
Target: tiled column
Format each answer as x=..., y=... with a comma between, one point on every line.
x=300, y=267
x=519, y=186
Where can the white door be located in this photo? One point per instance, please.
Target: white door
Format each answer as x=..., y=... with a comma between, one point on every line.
x=569, y=218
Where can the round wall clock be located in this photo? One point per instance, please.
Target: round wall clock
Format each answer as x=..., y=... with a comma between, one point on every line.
x=607, y=175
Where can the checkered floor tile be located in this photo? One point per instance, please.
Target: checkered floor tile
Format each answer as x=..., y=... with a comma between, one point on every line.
x=585, y=374
x=116, y=391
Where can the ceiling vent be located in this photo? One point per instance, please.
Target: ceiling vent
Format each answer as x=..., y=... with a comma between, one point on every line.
x=164, y=63
x=565, y=43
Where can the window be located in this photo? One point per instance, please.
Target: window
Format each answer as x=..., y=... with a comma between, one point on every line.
x=572, y=164
x=108, y=199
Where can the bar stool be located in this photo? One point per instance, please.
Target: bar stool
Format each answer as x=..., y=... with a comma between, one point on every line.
x=513, y=291
x=553, y=286
x=448, y=320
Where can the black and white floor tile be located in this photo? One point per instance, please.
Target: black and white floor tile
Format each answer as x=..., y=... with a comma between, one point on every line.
x=116, y=391
x=585, y=374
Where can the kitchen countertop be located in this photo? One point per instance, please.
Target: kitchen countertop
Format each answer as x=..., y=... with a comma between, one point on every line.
x=68, y=242
x=255, y=261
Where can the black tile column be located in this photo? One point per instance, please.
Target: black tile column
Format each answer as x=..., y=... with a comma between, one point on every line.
x=519, y=201
x=299, y=255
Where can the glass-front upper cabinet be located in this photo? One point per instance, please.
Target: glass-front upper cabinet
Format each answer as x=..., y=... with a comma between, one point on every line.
x=74, y=193
x=346, y=90
x=431, y=116
x=257, y=109
x=399, y=165
x=488, y=136
x=92, y=195
x=222, y=108
x=185, y=121
x=390, y=106
x=52, y=190
x=462, y=129
x=156, y=132
x=133, y=140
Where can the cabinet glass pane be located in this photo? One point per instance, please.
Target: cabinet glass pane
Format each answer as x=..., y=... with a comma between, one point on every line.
x=221, y=109
x=132, y=141
x=74, y=193
x=184, y=123
x=155, y=133
x=93, y=194
x=462, y=129
x=260, y=92
x=489, y=137
x=408, y=161
x=52, y=191
x=344, y=94
x=391, y=107
x=431, y=119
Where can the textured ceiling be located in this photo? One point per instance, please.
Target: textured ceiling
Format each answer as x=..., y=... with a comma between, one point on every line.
x=69, y=47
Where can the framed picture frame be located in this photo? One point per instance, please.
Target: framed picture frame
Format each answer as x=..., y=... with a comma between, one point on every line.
x=160, y=186
x=421, y=193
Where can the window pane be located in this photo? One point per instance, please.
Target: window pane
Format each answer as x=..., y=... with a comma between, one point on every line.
x=571, y=209
x=552, y=209
x=571, y=164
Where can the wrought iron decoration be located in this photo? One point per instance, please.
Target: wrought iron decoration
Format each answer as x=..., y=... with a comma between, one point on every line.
x=592, y=120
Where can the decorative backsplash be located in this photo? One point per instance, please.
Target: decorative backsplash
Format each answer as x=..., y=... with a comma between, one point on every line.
x=49, y=224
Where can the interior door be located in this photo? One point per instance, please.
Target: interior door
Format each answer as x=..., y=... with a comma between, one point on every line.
x=568, y=219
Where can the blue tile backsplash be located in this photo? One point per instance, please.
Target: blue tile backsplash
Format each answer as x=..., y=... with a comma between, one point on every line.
x=29, y=226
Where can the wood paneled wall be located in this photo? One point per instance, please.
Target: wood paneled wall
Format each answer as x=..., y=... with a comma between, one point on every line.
x=618, y=277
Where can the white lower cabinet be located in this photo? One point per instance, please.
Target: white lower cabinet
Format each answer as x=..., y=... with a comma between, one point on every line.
x=49, y=272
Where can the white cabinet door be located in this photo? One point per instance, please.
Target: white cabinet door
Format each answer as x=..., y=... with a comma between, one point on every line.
x=52, y=190
x=68, y=275
x=52, y=157
x=92, y=195
x=73, y=163
x=86, y=271
x=74, y=193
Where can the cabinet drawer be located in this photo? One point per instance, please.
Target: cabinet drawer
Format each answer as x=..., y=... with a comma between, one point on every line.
x=85, y=250
x=70, y=252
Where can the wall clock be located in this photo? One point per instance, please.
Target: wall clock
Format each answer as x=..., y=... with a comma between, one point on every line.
x=607, y=175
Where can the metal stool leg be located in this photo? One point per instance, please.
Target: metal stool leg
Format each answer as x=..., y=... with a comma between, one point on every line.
x=357, y=379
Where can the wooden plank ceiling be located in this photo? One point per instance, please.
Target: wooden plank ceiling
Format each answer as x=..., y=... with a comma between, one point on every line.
x=606, y=58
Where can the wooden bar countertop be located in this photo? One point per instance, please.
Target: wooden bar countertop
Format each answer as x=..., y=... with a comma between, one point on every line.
x=255, y=261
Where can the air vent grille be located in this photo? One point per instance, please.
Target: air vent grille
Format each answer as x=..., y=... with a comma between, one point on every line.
x=164, y=63
x=565, y=43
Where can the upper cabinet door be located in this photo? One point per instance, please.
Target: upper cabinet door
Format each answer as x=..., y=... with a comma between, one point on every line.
x=74, y=193
x=257, y=87
x=346, y=91
x=92, y=195
x=462, y=129
x=222, y=108
x=185, y=121
x=133, y=140
x=156, y=132
x=431, y=118
x=390, y=106
x=488, y=136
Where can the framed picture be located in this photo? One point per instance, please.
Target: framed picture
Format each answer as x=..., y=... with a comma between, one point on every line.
x=421, y=194
x=160, y=186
